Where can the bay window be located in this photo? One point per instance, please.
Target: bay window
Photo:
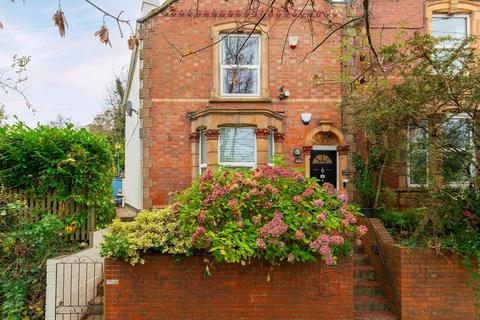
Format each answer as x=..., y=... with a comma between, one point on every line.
x=202, y=152
x=237, y=147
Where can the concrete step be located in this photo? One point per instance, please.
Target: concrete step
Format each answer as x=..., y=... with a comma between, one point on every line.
x=367, y=287
x=361, y=259
x=371, y=303
x=364, y=272
x=363, y=315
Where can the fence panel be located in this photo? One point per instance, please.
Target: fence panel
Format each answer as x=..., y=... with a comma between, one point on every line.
x=48, y=203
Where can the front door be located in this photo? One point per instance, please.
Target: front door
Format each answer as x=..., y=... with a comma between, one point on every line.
x=323, y=166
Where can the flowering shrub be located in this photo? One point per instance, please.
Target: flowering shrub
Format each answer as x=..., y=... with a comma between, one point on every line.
x=271, y=213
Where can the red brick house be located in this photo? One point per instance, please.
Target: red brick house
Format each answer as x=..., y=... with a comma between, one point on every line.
x=252, y=92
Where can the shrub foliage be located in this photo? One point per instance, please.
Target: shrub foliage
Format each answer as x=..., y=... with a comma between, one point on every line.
x=269, y=213
x=75, y=164
x=25, y=248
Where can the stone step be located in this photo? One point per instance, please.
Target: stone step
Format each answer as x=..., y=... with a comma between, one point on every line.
x=367, y=287
x=368, y=315
x=361, y=259
x=364, y=272
x=371, y=303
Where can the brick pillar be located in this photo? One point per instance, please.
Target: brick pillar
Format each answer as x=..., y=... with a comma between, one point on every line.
x=307, y=150
x=278, y=139
x=194, y=139
x=212, y=147
x=262, y=146
x=343, y=165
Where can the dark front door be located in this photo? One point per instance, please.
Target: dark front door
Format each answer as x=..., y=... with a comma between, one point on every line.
x=323, y=166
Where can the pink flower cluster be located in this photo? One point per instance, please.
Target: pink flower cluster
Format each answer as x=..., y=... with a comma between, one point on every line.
x=275, y=227
x=297, y=199
x=260, y=243
x=308, y=192
x=342, y=197
x=200, y=230
x=348, y=217
x=201, y=217
x=322, y=216
x=330, y=188
x=272, y=173
x=321, y=244
x=217, y=193
x=318, y=203
x=207, y=176
x=271, y=189
x=299, y=235
x=362, y=230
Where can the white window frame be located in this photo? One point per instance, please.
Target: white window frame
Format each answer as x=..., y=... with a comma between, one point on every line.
x=201, y=166
x=463, y=116
x=272, y=138
x=239, y=164
x=409, y=181
x=254, y=67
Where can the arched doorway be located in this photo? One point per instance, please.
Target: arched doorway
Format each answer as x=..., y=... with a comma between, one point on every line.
x=326, y=155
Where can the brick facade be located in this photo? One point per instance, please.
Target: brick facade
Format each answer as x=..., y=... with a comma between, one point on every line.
x=173, y=87
x=430, y=285
x=164, y=289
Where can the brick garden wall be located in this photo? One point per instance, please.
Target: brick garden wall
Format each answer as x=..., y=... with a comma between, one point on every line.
x=163, y=289
x=431, y=286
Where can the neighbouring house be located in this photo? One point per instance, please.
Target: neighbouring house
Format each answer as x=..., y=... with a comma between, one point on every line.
x=250, y=91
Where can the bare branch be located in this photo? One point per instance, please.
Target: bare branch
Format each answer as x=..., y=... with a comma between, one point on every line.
x=331, y=33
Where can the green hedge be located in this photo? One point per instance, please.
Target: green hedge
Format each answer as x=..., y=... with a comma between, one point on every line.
x=76, y=164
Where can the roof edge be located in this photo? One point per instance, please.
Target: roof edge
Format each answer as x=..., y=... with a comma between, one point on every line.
x=156, y=11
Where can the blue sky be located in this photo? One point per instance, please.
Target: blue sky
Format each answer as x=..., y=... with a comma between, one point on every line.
x=68, y=75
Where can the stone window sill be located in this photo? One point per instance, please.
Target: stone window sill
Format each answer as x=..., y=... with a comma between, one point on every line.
x=240, y=99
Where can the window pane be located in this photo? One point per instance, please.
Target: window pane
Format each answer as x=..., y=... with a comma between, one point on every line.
x=444, y=26
x=457, y=133
x=418, y=167
x=237, y=50
x=417, y=156
x=455, y=167
x=237, y=145
x=203, y=148
x=240, y=81
x=270, y=148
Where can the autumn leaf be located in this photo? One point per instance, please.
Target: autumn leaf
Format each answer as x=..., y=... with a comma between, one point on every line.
x=173, y=8
x=103, y=35
x=60, y=22
x=132, y=42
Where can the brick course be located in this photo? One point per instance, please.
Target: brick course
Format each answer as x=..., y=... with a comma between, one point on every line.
x=164, y=289
x=431, y=286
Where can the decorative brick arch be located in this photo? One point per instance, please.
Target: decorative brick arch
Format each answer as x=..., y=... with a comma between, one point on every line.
x=327, y=135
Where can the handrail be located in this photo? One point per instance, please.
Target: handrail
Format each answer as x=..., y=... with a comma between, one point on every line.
x=387, y=271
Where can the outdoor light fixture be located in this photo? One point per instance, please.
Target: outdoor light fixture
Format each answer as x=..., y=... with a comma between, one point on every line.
x=306, y=117
x=129, y=109
x=283, y=93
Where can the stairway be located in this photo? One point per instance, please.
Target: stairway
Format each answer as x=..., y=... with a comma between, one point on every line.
x=95, y=306
x=369, y=302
